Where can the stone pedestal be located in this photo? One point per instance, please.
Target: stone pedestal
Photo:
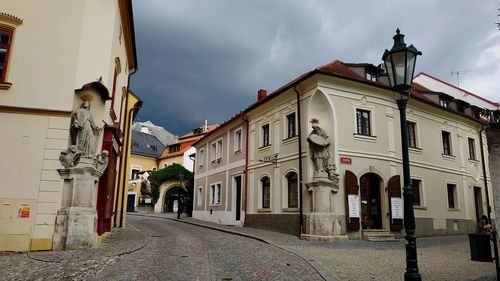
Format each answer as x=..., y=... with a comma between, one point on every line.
x=76, y=221
x=323, y=224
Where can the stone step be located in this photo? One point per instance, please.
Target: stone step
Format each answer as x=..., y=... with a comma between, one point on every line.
x=378, y=235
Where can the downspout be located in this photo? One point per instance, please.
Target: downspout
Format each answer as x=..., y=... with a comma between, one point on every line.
x=126, y=145
x=494, y=232
x=244, y=118
x=299, y=131
x=120, y=170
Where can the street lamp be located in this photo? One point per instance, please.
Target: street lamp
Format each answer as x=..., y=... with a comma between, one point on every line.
x=179, y=211
x=400, y=66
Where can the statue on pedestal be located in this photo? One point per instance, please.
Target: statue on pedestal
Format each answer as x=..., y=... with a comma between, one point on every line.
x=319, y=144
x=84, y=131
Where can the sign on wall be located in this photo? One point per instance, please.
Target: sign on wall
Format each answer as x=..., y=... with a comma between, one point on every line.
x=396, y=208
x=23, y=212
x=353, y=202
x=345, y=160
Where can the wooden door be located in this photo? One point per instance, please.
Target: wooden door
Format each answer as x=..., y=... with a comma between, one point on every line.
x=394, y=188
x=351, y=188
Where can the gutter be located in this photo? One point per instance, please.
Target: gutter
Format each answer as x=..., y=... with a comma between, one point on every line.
x=244, y=118
x=299, y=131
x=126, y=145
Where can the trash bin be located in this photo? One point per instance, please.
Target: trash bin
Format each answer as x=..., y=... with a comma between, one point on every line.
x=480, y=247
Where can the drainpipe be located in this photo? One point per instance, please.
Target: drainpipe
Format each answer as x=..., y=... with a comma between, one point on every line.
x=120, y=171
x=494, y=232
x=299, y=131
x=244, y=118
x=126, y=148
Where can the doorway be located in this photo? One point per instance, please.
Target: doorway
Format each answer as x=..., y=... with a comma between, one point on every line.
x=131, y=202
x=478, y=203
x=371, y=215
x=237, y=186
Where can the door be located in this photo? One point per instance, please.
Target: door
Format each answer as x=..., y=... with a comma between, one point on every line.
x=478, y=202
x=131, y=203
x=105, y=191
x=237, y=184
x=371, y=217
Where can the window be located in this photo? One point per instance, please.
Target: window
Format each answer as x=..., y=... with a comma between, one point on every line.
x=472, y=149
x=266, y=192
x=200, y=196
x=412, y=136
x=216, y=150
x=444, y=102
x=265, y=135
x=215, y=193
x=201, y=157
x=5, y=42
x=446, y=142
x=363, y=122
x=174, y=148
x=452, y=194
x=237, y=140
x=135, y=174
x=370, y=77
x=416, y=192
x=293, y=190
x=290, y=119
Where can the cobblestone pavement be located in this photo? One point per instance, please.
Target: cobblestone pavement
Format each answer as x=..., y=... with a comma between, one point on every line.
x=180, y=251
x=70, y=265
x=440, y=258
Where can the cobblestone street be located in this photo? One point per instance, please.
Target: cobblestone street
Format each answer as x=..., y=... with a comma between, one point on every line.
x=156, y=247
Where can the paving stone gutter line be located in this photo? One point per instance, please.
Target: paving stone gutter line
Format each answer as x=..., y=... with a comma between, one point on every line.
x=113, y=250
x=322, y=270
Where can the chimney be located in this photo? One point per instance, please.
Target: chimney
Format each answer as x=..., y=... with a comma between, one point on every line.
x=205, y=126
x=261, y=94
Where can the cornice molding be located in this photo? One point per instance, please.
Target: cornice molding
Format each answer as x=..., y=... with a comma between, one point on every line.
x=10, y=19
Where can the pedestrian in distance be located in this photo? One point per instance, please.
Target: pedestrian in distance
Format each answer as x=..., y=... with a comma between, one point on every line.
x=483, y=226
x=180, y=208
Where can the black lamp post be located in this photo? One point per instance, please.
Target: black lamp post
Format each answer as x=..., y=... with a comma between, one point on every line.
x=179, y=197
x=400, y=66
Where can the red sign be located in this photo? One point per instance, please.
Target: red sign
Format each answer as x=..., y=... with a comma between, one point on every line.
x=23, y=212
x=345, y=160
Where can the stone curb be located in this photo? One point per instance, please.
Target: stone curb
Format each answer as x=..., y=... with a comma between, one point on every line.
x=125, y=252
x=322, y=270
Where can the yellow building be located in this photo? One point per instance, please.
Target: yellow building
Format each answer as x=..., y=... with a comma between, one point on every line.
x=56, y=54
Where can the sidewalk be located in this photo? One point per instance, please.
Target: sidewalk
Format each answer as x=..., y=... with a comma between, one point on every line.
x=440, y=258
x=71, y=265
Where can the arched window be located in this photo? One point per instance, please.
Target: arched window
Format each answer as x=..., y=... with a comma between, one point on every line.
x=266, y=192
x=293, y=190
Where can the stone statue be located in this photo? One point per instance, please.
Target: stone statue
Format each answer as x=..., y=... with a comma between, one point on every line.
x=319, y=143
x=84, y=131
x=70, y=156
x=102, y=161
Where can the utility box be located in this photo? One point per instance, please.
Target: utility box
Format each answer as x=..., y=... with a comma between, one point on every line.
x=480, y=247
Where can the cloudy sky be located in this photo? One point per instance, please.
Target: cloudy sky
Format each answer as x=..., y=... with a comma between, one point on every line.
x=203, y=60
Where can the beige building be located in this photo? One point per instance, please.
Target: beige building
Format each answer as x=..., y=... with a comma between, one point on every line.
x=219, y=188
x=359, y=114
x=57, y=54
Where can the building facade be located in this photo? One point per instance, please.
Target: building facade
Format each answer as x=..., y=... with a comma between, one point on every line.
x=39, y=89
x=219, y=186
x=358, y=113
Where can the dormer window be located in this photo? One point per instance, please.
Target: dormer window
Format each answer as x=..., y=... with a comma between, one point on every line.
x=174, y=148
x=370, y=76
x=444, y=102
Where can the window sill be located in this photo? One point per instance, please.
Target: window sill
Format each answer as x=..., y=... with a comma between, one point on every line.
x=289, y=210
x=5, y=85
x=266, y=210
x=416, y=150
x=238, y=151
x=448, y=157
x=475, y=161
x=290, y=140
x=419, y=207
x=453, y=210
x=266, y=147
x=365, y=137
x=215, y=205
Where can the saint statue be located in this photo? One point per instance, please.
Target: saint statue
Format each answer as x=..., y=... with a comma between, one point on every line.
x=84, y=131
x=319, y=143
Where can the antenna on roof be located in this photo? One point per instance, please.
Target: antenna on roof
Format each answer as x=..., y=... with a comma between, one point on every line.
x=458, y=73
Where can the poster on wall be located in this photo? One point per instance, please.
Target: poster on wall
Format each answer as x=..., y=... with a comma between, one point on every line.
x=353, y=203
x=396, y=208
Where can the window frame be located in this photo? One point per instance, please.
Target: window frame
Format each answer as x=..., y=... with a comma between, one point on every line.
x=289, y=187
x=266, y=131
x=413, y=131
x=417, y=192
x=8, y=51
x=238, y=141
x=472, y=149
x=215, y=188
x=446, y=143
x=201, y=157
x=291, y=127
x=453, y=199
x=263, y=188
x=199, y=200
x=360, y=121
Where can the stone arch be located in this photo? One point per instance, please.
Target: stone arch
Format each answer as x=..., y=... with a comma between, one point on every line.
x=373, y=200
x=165, y=187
